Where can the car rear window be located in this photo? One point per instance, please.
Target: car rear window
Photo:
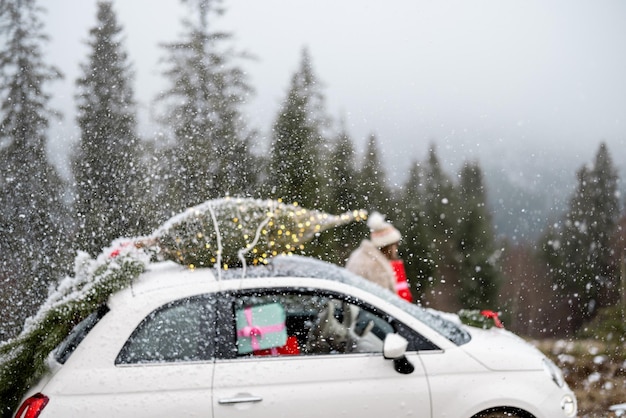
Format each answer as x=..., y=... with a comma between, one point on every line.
x=78, y=334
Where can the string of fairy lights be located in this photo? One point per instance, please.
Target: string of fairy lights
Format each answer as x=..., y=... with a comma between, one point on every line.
x=193, y=238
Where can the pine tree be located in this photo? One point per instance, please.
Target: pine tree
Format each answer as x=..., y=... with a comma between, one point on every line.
x=440, y=216
x=107, y=167
x=475, y=242
x=32, y=214
x=374, y=191
x=605, y=214
x=295, y=172
x=415, y=248
x=155, y=176
x=578, y=249
x=439, y=195
x=211, y=156
x=341, y=177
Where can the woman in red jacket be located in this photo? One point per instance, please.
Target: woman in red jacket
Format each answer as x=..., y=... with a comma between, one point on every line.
x=377, y=259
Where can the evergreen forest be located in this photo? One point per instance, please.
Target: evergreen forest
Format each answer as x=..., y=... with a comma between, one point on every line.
x=125, y=185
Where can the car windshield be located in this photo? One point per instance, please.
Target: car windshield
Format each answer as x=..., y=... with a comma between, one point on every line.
x=298, y=266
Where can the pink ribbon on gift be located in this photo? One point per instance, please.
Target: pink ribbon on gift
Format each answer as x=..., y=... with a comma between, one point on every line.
x=254, y=332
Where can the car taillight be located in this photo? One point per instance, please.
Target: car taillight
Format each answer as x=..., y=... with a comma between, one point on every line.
x=32, y=407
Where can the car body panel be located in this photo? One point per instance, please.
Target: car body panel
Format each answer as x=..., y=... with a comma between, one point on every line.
x=363, y=385
x=481, y=389
x=492, y=369
x=494, y=348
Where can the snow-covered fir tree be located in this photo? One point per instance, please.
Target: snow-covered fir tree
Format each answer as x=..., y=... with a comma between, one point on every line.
x=341, y=177
x=107, y=167
x=578, y=249
x=415, y=247
x=440, y=202
x=478, y=274
x=210, y=155
x=295, y=172
x=31, y=206
x=374, y=191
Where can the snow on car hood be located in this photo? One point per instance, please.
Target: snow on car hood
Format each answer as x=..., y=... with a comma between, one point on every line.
x=499, y=349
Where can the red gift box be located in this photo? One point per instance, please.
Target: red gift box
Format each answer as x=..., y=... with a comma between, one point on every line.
x=289, y=349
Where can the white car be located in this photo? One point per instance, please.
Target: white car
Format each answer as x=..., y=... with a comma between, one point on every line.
x=297, y=338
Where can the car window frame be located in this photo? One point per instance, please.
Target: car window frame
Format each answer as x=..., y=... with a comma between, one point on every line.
x=226, y=348
x=303, y=266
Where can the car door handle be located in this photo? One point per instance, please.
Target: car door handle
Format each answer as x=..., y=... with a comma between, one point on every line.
x=240, y=399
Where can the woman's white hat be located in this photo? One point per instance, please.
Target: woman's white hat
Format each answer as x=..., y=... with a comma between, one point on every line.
x=382, y=233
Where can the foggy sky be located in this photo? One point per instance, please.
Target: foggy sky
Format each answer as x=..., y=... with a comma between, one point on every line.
x=537, y=82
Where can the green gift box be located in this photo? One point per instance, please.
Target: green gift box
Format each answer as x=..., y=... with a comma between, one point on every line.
x=261, y=327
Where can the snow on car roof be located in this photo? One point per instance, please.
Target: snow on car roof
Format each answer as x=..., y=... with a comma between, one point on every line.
x=170, y=275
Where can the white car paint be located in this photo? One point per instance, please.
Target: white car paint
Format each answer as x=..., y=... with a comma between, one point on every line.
x=494, y=369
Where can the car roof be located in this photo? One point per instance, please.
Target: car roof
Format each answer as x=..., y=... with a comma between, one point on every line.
x=168, y=275
x=163, y=281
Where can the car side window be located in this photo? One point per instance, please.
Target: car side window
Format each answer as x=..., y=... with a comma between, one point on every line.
x=296, y=322
x=177, y=332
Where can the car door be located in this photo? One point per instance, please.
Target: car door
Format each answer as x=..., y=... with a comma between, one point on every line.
x=331, y=363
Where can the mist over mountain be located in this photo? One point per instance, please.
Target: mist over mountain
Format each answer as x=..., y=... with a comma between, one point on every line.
x=527, y=191
x=529, y=183
x=529, y=90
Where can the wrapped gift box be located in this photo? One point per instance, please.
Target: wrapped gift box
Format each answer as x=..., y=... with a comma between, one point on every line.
x=261, y=327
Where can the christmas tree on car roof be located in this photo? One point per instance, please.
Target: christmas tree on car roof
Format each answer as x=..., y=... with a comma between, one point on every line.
x=234, y=232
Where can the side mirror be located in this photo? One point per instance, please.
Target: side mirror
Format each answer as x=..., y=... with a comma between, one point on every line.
x=394, y=348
